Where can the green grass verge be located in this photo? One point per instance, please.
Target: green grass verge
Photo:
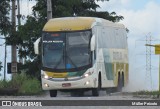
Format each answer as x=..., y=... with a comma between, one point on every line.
x=25, y=84
x=147, y=93
x=30, y=87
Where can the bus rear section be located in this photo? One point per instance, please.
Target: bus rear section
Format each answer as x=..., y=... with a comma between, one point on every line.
x=111, y=55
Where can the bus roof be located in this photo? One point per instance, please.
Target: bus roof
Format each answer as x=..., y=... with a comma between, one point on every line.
x=76, y=23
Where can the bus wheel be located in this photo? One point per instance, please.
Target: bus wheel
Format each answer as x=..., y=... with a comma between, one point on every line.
x=120, y=84
x=95, y=91
x=53, y=93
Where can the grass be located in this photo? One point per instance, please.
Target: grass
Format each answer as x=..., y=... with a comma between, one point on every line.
x=147, y=93
x=30, y=87
x=5, y=84
x=25, y=84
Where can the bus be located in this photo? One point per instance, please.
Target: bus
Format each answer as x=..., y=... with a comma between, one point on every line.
x=83, y=53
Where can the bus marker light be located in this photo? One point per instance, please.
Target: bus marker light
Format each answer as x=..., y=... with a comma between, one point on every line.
x=54, y=34
x=87, y=82
x=46, y=85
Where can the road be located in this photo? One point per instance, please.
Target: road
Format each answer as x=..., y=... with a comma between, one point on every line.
x=66, y=96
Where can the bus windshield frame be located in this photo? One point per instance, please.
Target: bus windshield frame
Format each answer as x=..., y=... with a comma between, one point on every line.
x=67, y=51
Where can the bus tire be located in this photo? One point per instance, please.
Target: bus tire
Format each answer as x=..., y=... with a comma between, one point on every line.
x=95, y=91
x=53, y=93
x=120, y=84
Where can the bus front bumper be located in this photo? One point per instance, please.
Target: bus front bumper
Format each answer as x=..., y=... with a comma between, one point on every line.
x=86, y=82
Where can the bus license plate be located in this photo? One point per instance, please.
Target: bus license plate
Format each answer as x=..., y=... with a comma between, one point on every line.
x=66, y=85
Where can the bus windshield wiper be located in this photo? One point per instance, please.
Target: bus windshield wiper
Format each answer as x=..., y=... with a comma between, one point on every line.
x=72, y=62
x=62, y=58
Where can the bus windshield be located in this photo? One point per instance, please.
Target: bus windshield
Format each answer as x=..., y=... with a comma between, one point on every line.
x=66, y=51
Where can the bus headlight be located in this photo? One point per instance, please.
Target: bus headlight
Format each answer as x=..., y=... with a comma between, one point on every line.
x=45, y=76
x=87, y=74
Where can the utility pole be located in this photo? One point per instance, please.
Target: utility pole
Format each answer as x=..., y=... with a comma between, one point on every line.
x=148, y=63
x=19, y=23
x=19, y=15
x=5, y=56
x=157, y=51
x=49, y=9
x=13, y=47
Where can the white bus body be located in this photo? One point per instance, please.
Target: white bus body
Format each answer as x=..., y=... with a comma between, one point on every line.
x=109, y=56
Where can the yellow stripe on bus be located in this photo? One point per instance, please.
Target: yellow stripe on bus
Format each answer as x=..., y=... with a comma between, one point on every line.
x=57, y=75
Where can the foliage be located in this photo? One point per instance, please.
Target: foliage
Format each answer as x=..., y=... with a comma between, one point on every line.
x=31, y=30
x=5, y=84
x=4, y=19
x=18, y=80
x=25, y=84
x=147, y=92
x=31, y=68
x=30, y=86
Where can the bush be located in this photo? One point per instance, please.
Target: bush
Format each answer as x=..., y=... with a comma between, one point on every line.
x=25, y=84
x=5, y=84
x=18, y=80
x=30, y=86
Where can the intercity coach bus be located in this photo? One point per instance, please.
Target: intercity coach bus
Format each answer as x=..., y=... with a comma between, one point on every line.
x=83, y=53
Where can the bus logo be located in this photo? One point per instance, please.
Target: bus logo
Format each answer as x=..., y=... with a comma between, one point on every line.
x=6, y=103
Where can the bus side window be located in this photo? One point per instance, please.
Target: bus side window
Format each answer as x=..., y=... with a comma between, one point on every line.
x=94, y=54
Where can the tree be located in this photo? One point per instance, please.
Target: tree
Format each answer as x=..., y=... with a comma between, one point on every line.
x=31, y=30
x=4, y=19
x=5, y=25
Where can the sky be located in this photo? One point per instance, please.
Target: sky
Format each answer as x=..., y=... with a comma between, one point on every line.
x=141, y=17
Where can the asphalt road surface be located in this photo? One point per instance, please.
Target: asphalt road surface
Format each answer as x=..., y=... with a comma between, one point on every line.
x=64, y=97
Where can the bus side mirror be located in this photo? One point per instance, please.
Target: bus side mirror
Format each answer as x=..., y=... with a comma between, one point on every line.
x=36, y=46
x=92, y=45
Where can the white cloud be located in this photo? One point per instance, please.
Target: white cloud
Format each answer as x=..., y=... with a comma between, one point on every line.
x=143, y=21
x=114, y=5
x=125, y=2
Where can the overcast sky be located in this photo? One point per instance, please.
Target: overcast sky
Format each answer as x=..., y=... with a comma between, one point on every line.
x=141, y=17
